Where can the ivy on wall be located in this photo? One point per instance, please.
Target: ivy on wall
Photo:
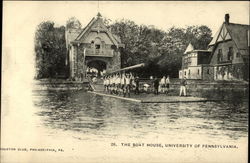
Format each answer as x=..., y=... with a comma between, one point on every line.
x=237, y=71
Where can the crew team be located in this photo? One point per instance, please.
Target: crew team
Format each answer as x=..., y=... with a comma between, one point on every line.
x=123, y=84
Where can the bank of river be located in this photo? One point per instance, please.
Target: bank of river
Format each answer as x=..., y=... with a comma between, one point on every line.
x=220, y=90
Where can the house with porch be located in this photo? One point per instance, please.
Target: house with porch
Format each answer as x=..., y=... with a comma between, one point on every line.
x=230, y=51
x=92, y=47
x=195, y=64
x=227, y=57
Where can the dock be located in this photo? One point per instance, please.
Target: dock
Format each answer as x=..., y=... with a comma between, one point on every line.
x=151, y=98
x=115, y=96
x=173, y=99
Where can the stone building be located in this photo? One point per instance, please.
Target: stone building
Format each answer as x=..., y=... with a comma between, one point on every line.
x=227, y=57
x=92, y=47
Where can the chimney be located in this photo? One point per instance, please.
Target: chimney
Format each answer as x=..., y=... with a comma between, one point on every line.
x=227, y=18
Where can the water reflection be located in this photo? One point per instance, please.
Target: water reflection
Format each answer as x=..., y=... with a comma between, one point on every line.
x=108, y=117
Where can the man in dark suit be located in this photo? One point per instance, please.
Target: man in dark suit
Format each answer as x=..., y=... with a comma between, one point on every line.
x=156, y=85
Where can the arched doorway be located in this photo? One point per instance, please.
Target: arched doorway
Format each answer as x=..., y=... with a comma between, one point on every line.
x=96, y=67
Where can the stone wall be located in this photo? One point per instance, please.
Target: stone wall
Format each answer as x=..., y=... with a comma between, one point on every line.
x=207, y=72
x=221, y=90
x=59, y=85
x=80, y=62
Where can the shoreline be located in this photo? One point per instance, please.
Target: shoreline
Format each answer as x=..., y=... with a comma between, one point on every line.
x=201, y=89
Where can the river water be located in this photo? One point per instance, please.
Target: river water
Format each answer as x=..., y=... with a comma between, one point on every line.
x=93, y=117
x=92, y=128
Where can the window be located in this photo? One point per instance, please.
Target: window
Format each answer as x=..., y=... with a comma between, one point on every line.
x=92, y=44
x=113, y=47
x=208, y=71
x=185, y=72
x=230, y=54
x=198, y=71
x=238, y=55
x=189, y=60
x=97, y=46
x=189, y=72
x=220, y=55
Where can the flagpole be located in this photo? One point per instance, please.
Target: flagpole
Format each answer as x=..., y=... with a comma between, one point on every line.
x=98, y=6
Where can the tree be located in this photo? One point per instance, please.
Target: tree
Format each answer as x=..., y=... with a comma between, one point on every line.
x=174, y=44
x=50, y=50
x=74, y=23
x=162, y=51
x=199, y=36
x=128, y=32
x=141, y=42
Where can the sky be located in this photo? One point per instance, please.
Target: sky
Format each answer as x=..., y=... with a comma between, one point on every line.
x=161, y=14
x=20, y=20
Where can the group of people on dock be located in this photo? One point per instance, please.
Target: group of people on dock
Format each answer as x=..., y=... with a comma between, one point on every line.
x=121, y=84
x=125, y=83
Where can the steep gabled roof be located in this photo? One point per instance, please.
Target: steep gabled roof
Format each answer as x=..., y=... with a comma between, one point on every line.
x=239, y=34
x=236, y=32
x=214, y=40
x=99, y=22
x=85, y=29
x=190, y=48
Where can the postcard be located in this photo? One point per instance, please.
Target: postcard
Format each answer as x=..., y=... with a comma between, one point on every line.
x=125, y=81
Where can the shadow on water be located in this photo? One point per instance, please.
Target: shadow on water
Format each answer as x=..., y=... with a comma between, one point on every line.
x=88, y=113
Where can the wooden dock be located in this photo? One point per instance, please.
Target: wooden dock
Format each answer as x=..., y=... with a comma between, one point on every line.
x=151, y=98
x=115, y=96
x=174, y=99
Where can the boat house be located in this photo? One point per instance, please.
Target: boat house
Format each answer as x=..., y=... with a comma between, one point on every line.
x=92, y=47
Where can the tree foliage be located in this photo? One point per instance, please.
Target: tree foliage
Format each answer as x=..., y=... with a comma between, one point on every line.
x=141, y=42
x=161, y=50
x=73, y=22
x=50, y=50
